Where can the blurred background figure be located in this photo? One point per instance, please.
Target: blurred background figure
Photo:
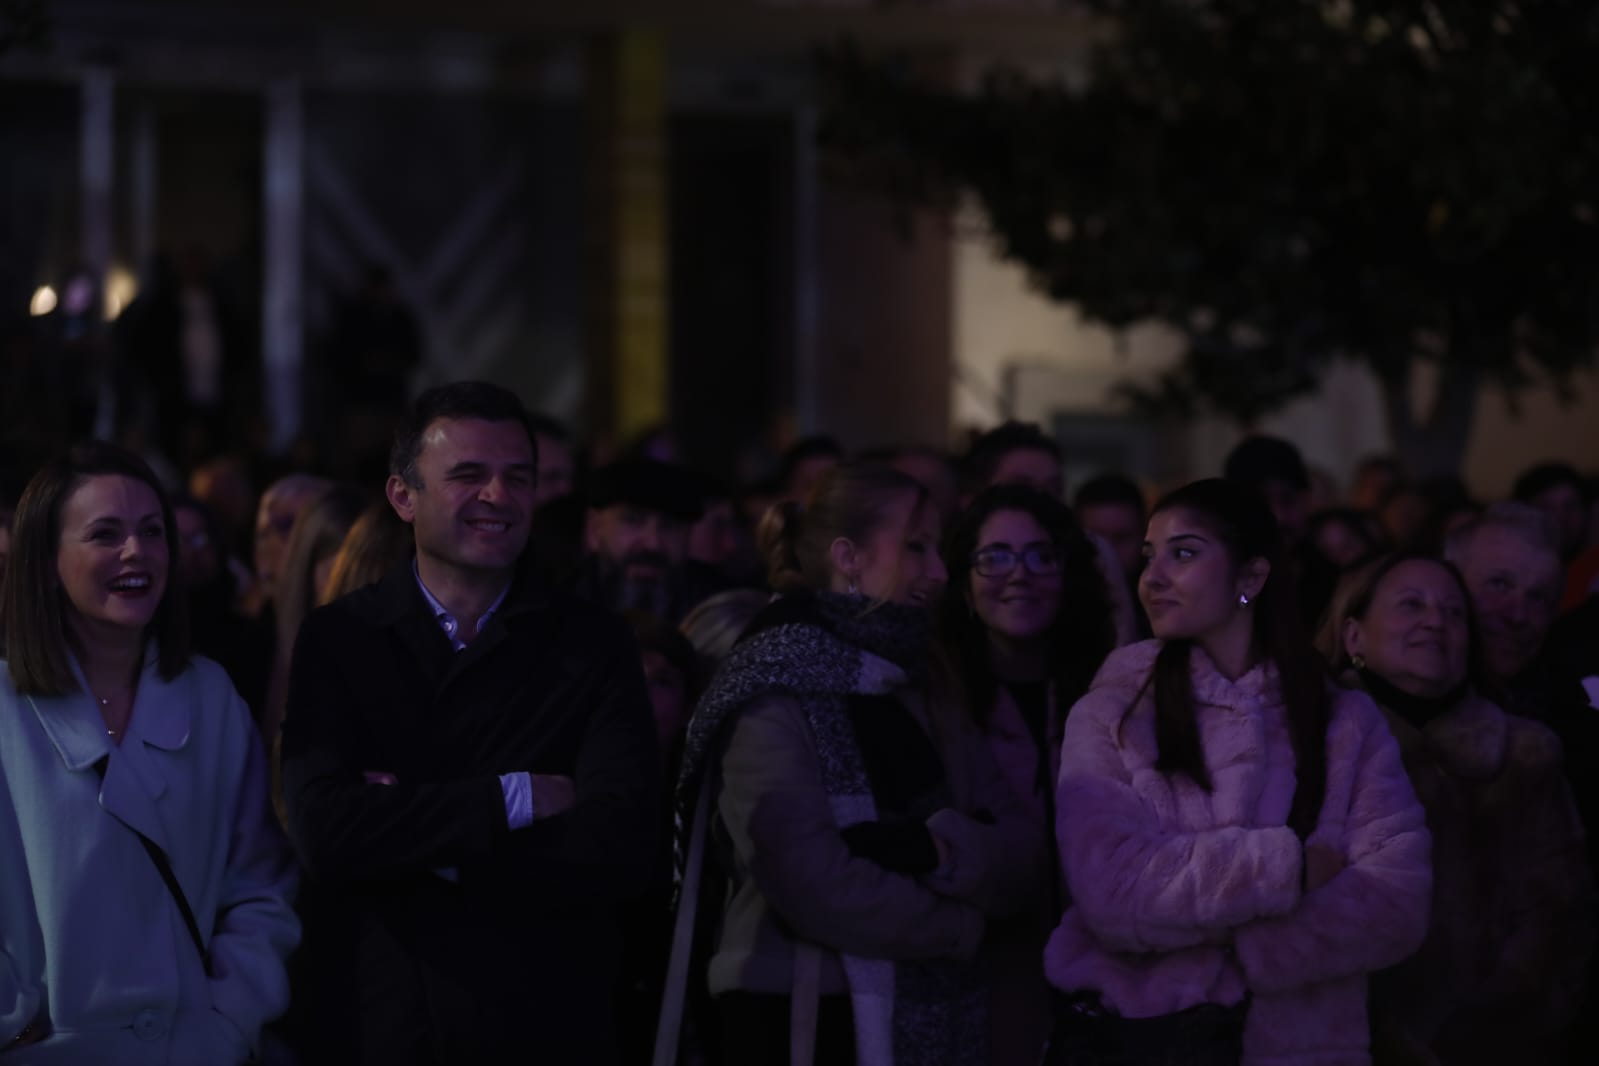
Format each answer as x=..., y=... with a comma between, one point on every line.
x=1015, y=453
x=374, y=347
x=1374, y=477
x=226, y=488
x=716, y=623
x=1335, y=540
x=375, y=544
x=672, y=675
x=1559, y=491
x=302, y=582
x=1510, y=560
x=1403, y=513
x=72, y=392
x=210, y=577
x=1111, y=508
x=640, y=513
x=935, y=471
x=803, y=464
x=1275, y=469
x=557, y=476
x=281, y=505
x=721, y=549
x=185, y=352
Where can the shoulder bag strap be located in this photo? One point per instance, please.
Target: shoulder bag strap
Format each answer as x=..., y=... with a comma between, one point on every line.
x=675, y=993
x=164, y=868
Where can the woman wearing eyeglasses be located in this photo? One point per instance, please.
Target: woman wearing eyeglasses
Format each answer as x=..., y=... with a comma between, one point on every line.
x=1024, y=625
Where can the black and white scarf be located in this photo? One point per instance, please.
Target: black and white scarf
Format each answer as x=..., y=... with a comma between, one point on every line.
x=821, y=650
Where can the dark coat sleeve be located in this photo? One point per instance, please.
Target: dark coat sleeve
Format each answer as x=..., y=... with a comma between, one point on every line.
x=343, y=827
x=605, y=847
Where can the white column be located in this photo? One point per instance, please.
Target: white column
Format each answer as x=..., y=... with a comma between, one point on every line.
x=807, y=300
x=144, y=178
x=96, y=160
x=282, y=304
x=96, y=176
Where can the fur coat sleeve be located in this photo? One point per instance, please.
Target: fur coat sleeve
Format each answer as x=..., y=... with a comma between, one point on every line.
x=1148, y=879
x=1371, y=816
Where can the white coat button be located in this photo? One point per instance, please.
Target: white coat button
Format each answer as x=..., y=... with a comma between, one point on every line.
x=149, y=1025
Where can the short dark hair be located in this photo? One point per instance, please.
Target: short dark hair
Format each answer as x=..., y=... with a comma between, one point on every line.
x=542, y=425
x=654, y=634
x=989, y=450
x=1257, y=460
x=1538, y=480
x=817, y=447
x=37, y=635
x=1109, y=489
x=1388, y=464
x=457, y=400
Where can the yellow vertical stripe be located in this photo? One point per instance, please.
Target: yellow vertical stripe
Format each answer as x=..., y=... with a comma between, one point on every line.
x=638, y=184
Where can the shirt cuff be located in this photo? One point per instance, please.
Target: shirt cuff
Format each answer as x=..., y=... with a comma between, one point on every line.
x=518, y=792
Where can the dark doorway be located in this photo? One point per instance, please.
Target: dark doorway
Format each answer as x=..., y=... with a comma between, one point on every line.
x=732, y=281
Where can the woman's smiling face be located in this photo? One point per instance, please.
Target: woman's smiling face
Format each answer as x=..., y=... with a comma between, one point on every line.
x=1018, y=604
x=1415, y=633
x=112, y=557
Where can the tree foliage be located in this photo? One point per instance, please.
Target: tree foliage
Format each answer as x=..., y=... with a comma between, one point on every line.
x=1285, y=182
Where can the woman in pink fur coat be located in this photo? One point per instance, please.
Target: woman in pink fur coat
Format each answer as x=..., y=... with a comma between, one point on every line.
x=1241, y=842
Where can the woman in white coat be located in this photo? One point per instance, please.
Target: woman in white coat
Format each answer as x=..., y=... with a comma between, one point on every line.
x=144, y=895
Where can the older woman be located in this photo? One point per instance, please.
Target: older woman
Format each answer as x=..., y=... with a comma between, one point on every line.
x=869, y=835
x=1241, y=845
x=144, y=896
x=1498, y=976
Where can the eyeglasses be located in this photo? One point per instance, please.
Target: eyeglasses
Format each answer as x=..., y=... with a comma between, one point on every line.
x=999, y=562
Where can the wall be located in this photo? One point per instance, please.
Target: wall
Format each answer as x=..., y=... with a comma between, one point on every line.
x=883, y=335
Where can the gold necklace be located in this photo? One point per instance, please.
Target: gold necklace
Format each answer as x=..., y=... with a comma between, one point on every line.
x=105, y=703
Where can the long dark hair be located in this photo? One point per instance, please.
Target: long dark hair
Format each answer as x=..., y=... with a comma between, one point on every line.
x=1083, y=632
x=1238, y=517
x=38, y=638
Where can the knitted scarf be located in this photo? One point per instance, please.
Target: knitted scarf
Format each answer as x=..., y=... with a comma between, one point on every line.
x=820, y=650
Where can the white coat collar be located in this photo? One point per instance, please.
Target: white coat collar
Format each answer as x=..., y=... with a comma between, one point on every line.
x=161, y=718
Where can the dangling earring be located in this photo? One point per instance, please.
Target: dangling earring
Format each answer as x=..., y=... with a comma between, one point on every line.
x=1243, y=599
x=1358, y=661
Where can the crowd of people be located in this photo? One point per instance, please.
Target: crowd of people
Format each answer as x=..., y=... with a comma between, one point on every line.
x=895, y=758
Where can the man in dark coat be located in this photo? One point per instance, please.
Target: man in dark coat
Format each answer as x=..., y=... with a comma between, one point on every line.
x=470, y=772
